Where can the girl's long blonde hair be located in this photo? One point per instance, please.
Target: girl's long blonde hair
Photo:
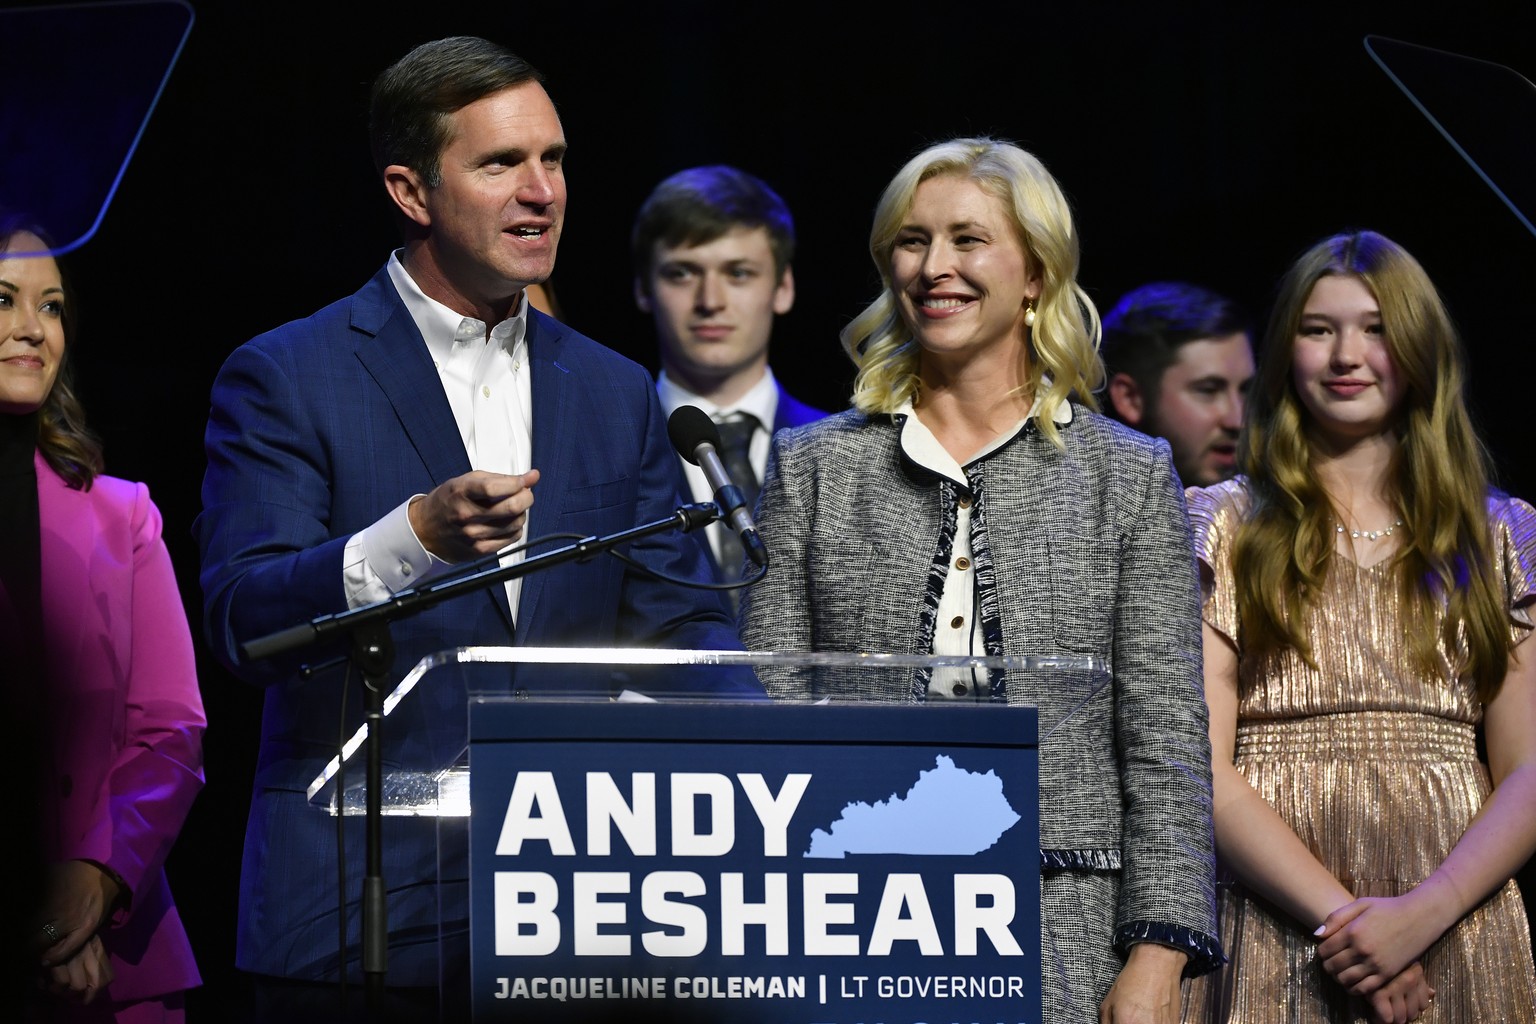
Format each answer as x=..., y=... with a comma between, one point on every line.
x=1438, y=478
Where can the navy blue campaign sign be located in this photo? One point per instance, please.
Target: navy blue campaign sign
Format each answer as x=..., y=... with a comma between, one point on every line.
x=786, y=864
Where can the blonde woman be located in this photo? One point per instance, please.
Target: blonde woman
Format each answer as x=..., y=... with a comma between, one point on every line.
x=974, y=501
x=1368, y=598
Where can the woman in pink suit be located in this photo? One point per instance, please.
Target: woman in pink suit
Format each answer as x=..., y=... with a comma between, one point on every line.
x=101, y=666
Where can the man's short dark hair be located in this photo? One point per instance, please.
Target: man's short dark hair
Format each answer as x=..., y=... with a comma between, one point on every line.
x=1144, y=330
x=413, y=98
x=700, y=204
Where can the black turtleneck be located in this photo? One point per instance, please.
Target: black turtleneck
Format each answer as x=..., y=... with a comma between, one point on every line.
x=21, y=573
x=21, y=680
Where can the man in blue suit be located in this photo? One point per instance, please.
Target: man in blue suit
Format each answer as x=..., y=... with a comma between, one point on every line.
x=429, y=419
x=712, y=248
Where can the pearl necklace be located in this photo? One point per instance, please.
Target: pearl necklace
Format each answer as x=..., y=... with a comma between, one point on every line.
x=1369, y=534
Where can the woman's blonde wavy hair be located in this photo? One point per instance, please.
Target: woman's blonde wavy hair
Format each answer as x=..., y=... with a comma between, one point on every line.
x=1063, y=342
x=1438, y=478
x=66, y=444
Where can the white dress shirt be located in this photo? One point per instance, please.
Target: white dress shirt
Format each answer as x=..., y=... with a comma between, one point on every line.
x=485, y=378
x=957, y=627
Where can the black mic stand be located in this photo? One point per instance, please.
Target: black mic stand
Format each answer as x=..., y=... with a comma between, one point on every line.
x=372, y=653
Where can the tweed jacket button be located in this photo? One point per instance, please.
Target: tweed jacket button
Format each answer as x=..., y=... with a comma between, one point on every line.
x=957, y=622
x=958, y=689
x=965, y=501
x=962, y=563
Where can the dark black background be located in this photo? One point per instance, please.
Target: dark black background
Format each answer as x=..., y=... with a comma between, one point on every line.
x=1196, y=139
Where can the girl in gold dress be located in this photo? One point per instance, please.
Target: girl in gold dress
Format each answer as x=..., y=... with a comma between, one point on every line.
x=1368, y=600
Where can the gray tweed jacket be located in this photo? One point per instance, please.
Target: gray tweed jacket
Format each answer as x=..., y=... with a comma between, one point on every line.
x=1082, y=551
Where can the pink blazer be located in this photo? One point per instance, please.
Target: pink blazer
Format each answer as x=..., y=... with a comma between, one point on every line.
x=126, y=755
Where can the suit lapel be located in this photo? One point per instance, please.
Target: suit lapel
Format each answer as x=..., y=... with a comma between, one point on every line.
x=781, y=412
x=397, y=359
x=395, y=355
x=552, y=386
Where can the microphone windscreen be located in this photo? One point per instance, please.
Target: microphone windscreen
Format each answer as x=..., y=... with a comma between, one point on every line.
x=688, y=427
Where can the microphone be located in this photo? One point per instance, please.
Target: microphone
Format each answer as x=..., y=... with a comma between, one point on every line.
x=697, y=439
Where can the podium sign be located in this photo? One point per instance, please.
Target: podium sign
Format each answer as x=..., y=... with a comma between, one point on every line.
x=786, y=863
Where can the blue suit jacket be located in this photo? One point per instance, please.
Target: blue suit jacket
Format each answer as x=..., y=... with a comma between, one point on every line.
x=792, y=412
x=317, y=430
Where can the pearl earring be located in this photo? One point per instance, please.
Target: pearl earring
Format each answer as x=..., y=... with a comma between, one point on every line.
x=1029, y=314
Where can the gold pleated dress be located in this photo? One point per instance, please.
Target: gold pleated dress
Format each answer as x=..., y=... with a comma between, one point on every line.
x=1375, y=766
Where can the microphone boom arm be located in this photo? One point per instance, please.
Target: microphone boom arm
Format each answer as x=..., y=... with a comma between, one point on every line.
x=408, y=602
